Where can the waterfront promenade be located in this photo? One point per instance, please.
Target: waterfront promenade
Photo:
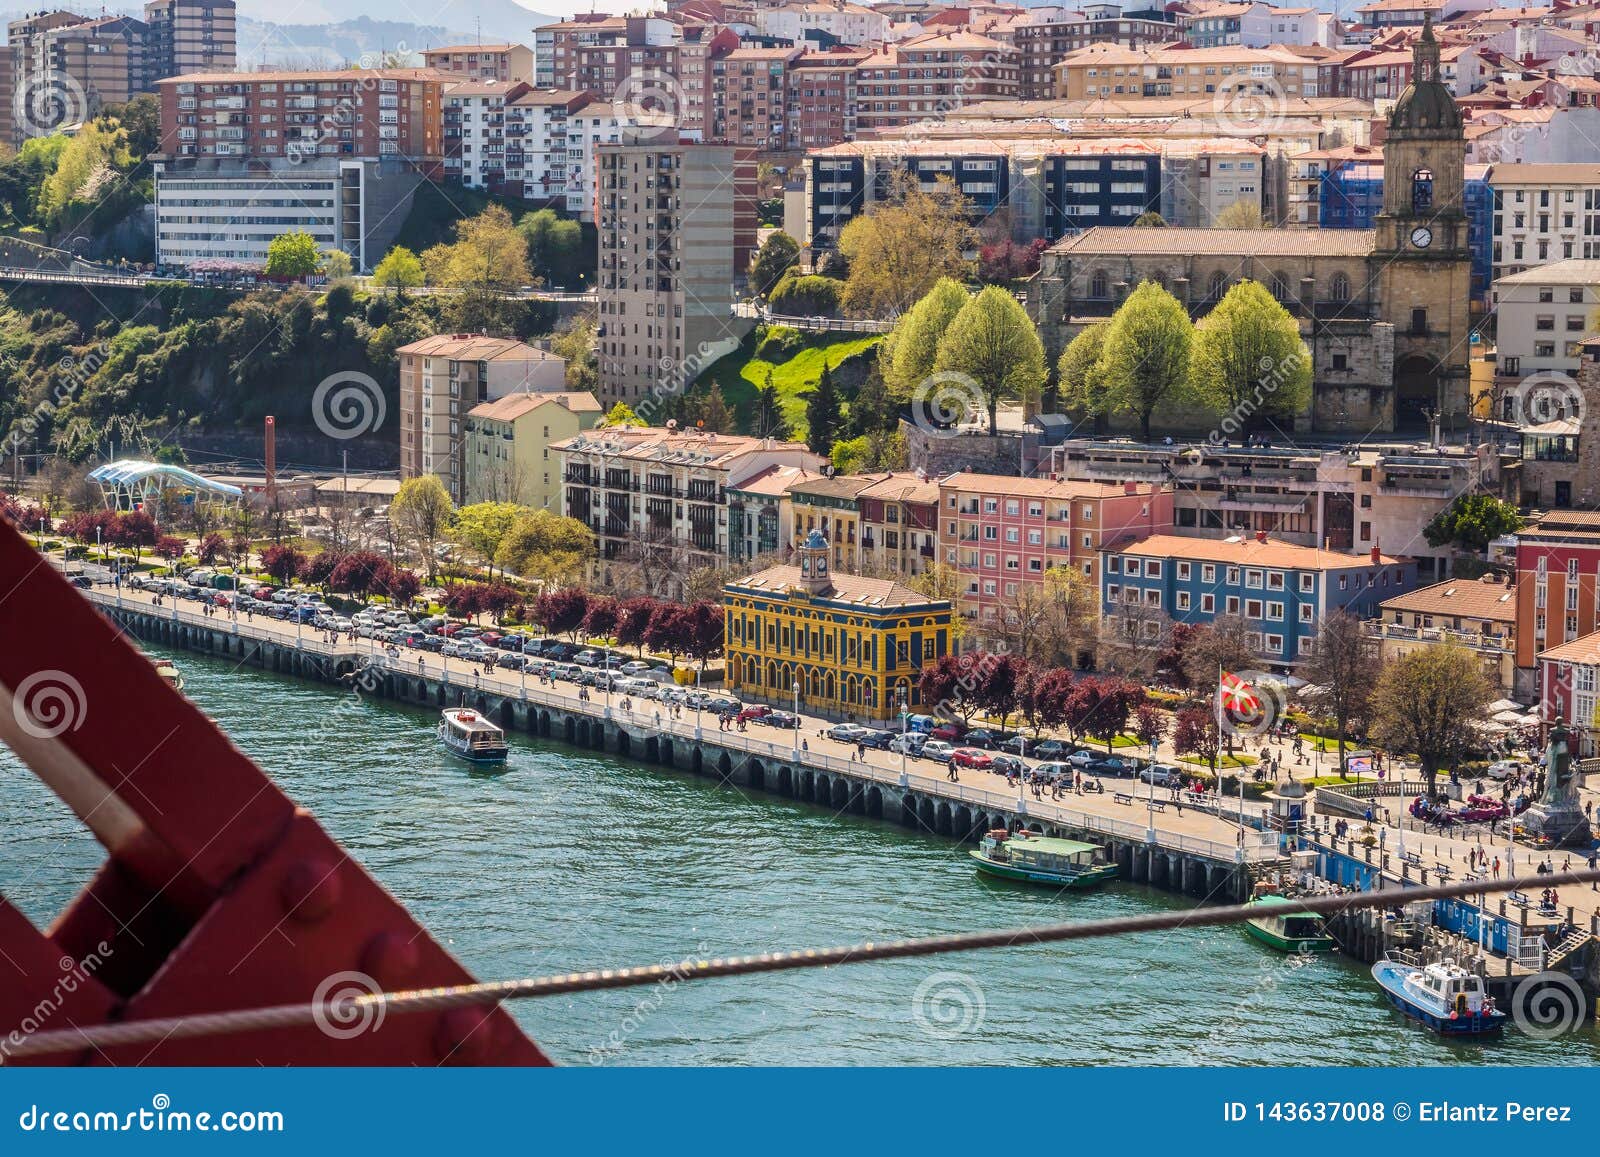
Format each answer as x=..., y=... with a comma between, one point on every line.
x=1191, y=831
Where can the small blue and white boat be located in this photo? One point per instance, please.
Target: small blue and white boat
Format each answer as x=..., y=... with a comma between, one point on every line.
x=1444, y=996
x=468, y=734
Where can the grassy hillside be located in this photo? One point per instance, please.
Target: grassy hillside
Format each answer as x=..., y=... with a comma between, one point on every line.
x=795, y=360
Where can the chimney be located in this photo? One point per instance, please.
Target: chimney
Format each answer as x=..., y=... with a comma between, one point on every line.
x=1261, y=536
x=1377, y=555
x=1130, y=487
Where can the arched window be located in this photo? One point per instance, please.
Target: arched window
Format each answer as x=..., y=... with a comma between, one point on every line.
x=1097, y=285
x=1219, y=285
x=1340, y=290
x=1422, y=191
x=1280, y=286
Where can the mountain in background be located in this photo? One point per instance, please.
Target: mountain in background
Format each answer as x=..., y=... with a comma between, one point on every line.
x=491, y=21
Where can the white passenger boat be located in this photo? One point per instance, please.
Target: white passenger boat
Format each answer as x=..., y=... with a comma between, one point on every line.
x=468, y=734
x=168, y=670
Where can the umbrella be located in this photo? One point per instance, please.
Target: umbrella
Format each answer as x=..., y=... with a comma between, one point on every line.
x=1505, y=705
x=1509, y=717
x=1290, y=681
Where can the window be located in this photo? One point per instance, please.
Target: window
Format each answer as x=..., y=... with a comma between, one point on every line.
x=1275, y=611
x=1183, y=572
x=1307, y=612
x=1307, y=583
x=1208, y=573
x=1183, y=600
x=1152, y=568
x=1208, y=604
x=1340, y=289
x=1232, y=604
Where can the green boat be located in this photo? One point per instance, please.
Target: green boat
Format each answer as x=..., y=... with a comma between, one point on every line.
x=1043, y=860
x=1282, y=926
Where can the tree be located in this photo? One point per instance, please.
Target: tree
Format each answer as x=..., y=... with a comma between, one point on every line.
x=993, y=342
x=140, y=119
x=901, y=246
x=1082, y=385
x=1054, y=621
x=1149, y=219
x=1473, y=521
x=1196, y=734
x=576, y=343
x=360, y=573
x=422, y=512
x=1222, y=645
x=487, y=262
x=318, y=569
x=1344, y=667
x=169, y=547
x=555, y=246
x=809, y=296
x=483, y=526
x=293, y=254
x=464, y=600
x=702, y=625
x=621, y=414
x=600, y=617
x=942, y=580
x=872, y=411
x=939, y=685
x=210, y=548
x=633, y=619
x=822, y=414
x=879, y=450
x=1240, y=215
x=561, y=612
x=132, y=528
x=1426, y=703
x=999, y=687
x=777, y=255
x=712, y=413
x=667, y=631
x=402, y=586
x=549, y=548
x=1044, y=697
x=86, y=169
x=399, y=270
x=1248, y=358
x=1149, y=725
x=767, y=418
x=336, y=264
x=908, y=353
x=1146, y=357
x=1101, y=706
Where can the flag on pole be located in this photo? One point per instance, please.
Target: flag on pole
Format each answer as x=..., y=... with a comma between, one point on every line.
x=1236, y=695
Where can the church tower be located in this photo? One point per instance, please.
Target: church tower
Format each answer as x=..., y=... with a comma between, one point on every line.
x=1422, y=262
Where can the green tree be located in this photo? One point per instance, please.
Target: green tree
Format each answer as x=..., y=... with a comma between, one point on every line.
x=1146, y=358
x=140, y=119
x=621, y=414
x=1240, y=215
x=1150, y=219
x=487, y=262
x=85, y=166
x=872, y=409
x=1426, y=703
x=1472, y=522
x=483, y=526
x=555, y=245
x=879, y=450
x=576, y=343
x=1248, y=358
x=336, y=264
x=422, y=514
x=903, y=245
x=822, y=413
x=908, y=353
x=777, y=256
x=767, y=419
x=547, y=547
x=1079, y=370
x=993, y=342
x=399, y=270
x=293, y=254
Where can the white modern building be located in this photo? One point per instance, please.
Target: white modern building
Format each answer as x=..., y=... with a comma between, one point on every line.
x=848, y=23
x=1544, y=214
x=1541, y=316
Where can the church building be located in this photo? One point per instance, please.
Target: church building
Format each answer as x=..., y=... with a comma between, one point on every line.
x=1384, y=311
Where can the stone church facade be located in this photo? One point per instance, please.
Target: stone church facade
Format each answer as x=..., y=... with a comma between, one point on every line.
x=1383, y=311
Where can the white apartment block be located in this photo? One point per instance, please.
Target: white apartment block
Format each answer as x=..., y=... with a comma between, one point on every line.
x=475, y=131
x=849, y=23
x=1541, y=316
x=1544, y=214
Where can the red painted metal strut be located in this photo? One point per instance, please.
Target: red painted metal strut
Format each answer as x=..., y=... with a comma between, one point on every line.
x=218, y=892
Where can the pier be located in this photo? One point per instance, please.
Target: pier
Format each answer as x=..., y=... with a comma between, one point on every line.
x=1194, y=852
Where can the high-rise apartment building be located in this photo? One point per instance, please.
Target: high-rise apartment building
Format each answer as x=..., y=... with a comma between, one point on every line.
x=505, y=62
x=190, y=36
x=677, y=224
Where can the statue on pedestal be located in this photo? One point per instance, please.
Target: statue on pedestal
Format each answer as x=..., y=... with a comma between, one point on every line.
x=1557, y=819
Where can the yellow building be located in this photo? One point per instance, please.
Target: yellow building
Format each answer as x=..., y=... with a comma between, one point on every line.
x=853, y=646
x=506, y=449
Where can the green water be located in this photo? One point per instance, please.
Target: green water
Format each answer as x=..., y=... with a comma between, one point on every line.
x=571, y=860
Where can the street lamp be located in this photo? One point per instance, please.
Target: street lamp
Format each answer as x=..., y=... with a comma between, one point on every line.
x=699, y=701
x=797, y=719
x=905, y=731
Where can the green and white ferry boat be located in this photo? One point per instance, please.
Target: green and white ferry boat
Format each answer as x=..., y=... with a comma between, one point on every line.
x=1043, y=860
x=1280, y=923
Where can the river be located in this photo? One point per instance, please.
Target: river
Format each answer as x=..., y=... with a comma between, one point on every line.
x=569, y=859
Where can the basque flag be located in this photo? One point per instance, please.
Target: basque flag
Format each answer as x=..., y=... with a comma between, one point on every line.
x=1237, y=696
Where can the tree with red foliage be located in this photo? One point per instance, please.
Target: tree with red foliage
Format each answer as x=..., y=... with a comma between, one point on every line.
x=936, y=685
x=1009, y=261
x=1101, y=706
x=360, y=573
x=133, y=528
x=633, y=619
x=999, y=684
x=668, y=630
x=169, y=547
x=84, y=526
x=402, y=586
x=561, y=612
x=1170, y=662
x=499, y=598
x=703, y=627
x=318, y=569
x=1197, y=735
x=282, y=563
x=1044, y=696
x=1149, y=725
x=210, y=548
x=11, y=509
x=600, y=620
x=464, y=600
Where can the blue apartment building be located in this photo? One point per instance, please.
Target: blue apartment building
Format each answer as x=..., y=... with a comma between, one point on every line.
x=1280, y=589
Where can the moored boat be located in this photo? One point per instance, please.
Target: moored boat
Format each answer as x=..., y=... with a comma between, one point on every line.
x=1043, y=860
x=1443, y=996
x=1280, y=925
x=467, y=733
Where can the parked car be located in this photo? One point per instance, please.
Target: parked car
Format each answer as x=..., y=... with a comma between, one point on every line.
x=936, y=749
x=1111, y=766
x=875, y=738
x=451, y=630
x=635, y=667
x=1081, y=758
x=783, y=719
x=1009, y=765
x=1506, y=768
x=82, y=580
x=511, y=661
x=1055, y=771
x=512, y=642
x=721, y=705
x=754, y=712
x=587, y=658
x=949, y=732
x=846, y=732
x=911, y=743
x=1051, y=749
x=980, y=737
x=433, y=623
x=1160, y=775
x=922, y=723
x=971, y=757
x=490, y=638
x=434, y=643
